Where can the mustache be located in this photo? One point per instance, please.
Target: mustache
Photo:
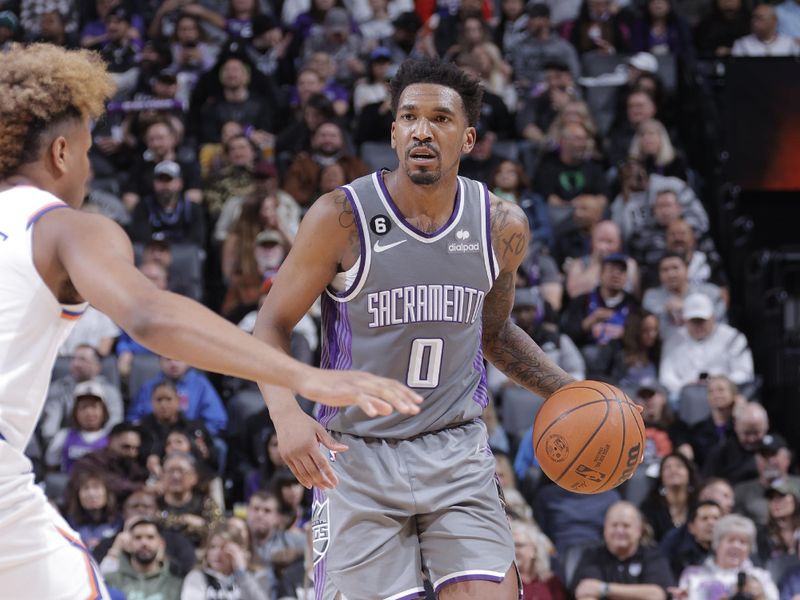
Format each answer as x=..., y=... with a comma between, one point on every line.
x=428, y=146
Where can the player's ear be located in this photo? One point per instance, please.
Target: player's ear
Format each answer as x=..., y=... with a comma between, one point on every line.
x=470, y=136
x=58, y=152
x=391, y=137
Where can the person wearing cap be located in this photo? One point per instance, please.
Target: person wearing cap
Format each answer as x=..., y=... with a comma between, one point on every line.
x=765, y=39
x=704, y=345
x=595, y=319
x=373, y=87
x=88, y=430
x=141, y=570
x=85, y=366
x=267, y=49
x=337, y=39
x=541, y=104
x=773, y=460
x=598, y=29
x=540, y=46
x=583, y=274
x=735, y=457
x=168, y=212
x=8, y=28
x=121, y=51
x=669, y=298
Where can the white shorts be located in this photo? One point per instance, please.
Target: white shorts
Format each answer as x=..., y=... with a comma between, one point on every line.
x=41, y=557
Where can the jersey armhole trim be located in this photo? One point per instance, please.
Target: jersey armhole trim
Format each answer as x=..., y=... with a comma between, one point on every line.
x=43, y=211
x=363, y=268
x=489, y=258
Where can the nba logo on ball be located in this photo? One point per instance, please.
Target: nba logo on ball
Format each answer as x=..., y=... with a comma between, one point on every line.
x=589, y=437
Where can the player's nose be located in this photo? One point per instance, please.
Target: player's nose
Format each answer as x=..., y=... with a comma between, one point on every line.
x=422, y=130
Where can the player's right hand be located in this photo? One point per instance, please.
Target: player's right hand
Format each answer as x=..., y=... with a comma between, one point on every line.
x=299, y=439
x=374, y=395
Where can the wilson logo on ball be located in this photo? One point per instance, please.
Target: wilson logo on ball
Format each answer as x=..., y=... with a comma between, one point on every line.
x=630, y=466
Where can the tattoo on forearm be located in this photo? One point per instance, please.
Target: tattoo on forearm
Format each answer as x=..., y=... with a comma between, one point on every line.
x=512, y=350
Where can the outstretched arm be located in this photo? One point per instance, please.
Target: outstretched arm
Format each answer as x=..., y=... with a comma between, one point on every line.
x=504, y=344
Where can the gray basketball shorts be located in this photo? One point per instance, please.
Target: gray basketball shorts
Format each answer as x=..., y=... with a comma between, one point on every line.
x=402, y=507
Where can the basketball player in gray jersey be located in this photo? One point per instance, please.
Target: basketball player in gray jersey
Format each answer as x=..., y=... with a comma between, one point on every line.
x=416, y=271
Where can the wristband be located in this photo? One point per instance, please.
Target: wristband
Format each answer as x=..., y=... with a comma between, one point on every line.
x=604, y=591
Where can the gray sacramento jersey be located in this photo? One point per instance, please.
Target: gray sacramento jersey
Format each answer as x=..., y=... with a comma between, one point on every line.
x=410, y=309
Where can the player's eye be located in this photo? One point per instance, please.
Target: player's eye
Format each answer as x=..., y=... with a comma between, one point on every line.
x=407, y=117
x=442, y=119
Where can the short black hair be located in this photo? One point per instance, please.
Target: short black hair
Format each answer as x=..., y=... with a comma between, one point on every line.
x=428, y=70
x=695, y=508
x=671, y=254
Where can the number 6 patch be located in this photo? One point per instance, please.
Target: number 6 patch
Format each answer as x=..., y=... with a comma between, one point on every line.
x=380, y=225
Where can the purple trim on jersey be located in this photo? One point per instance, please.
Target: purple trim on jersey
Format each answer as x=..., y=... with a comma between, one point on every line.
x=481, y=394
x=319, y=568
x=399, y=215
x=489, y=251
x=43, y=211
x=362, y=243
x=412, y=595
x=473, y=577
x=337, y=346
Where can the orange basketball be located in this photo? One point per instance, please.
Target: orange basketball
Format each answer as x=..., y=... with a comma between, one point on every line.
x=588, y=437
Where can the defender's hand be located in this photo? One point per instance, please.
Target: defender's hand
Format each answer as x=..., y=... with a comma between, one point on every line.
x=299, y=437
x=374, y=395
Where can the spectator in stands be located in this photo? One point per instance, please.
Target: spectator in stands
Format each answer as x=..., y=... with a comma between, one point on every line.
x=236, y=179
x=198, y=398
x=572, y=237
x=583, y=274
x=191, y=52
x=185, y=507
x=169, y=212
x=375, y=23
x=598, y=29
x=336, y=38
x=665, y=434
x=734, y=458
x=623, y=566
x=8, y=27
x=575, y=111
x=652, y=147
x=788, y=13
x=498, y=438
x=88, y=430
x=541, y=104
x=734, y=540
x=570, y=519
x=648, y=243
x=327, y=146
x=267, y=457
x=93, y=329
x=85, y=366
x=27, y=16
x=690, y=544
x=533, y=550
x=541, y=45
x=702, y=345
x=765, y=39
x=675, y=492
x=716, y=33
x=291, y=498
x=276, y=547
x=190, y=440
x=509, y=182
x=512, y=27
x=372, y=88
x=482, y=160
x=704, y=264
x=228, y=569
x=640, y=107
x=569, y=172
x=773, y=460
x=718, y=490
x=722, y=396
x=235, y=103
x=53, y=29
x=161, y=142
x=780, y=535
x=339, y=93
x=593, y=320
x=637, y=353
x=179, y=550
x=307, y=22
x=120, y=50
x=669, y=300
x=118, y=464
x=662, y=31
x=630, y=209
x=141, y=570
x=91, y=510
x=499, y=98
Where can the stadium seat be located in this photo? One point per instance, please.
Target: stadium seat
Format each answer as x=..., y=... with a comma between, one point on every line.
x=571, y=560
x=186, y=270
x=507, y=149
x=242, y=405
x=519, y=408
x=693, y=404
x=143, y=368
x=637, y=488
x=60, y=368
x=379, y=155
x=110, y=370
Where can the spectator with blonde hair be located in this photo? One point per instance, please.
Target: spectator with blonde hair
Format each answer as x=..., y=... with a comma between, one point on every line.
x=652, y=146
x=533, y=551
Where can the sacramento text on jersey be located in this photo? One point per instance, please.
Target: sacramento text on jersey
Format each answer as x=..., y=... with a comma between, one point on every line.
x=424, y=303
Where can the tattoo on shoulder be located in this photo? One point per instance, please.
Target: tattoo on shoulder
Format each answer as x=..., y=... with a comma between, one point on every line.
x=346, y=217
x=347, y=221
x=509, y=229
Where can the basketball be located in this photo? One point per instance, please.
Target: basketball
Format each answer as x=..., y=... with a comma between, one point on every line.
x=588, y=437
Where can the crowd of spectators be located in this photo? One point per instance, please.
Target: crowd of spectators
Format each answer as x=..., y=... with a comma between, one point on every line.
x=233, y=116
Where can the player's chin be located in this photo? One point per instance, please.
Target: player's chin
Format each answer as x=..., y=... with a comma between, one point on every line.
x=423, y=176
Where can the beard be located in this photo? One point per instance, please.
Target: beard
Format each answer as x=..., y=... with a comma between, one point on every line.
x=145, y=557
x=424, y=177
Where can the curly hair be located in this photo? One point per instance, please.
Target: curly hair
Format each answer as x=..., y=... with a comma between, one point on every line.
x=42, y=86
x=440, y=73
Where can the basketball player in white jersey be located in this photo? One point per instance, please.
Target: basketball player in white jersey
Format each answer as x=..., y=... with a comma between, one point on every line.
x=54, y=260
x=416, y=269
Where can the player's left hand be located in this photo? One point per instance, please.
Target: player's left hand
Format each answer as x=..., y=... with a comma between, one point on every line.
x=374, y=395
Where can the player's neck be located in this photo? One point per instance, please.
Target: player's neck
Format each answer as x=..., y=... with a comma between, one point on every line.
x=433, y=202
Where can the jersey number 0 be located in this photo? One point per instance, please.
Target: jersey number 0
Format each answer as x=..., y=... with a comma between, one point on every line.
x=425, y=363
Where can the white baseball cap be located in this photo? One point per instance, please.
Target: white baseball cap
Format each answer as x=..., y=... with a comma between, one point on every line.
x=697, y=306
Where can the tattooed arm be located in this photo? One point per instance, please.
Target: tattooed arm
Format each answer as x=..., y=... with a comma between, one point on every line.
x=504, y=344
